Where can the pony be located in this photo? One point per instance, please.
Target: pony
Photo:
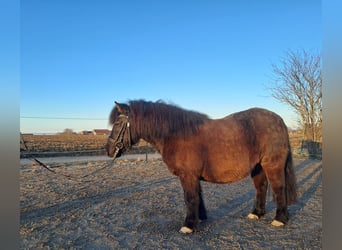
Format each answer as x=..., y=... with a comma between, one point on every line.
x=196, y=148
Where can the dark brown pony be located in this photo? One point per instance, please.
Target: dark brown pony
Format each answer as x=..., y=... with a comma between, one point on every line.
x=253, y=142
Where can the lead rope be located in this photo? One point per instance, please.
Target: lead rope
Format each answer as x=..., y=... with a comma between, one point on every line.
x=70, y=177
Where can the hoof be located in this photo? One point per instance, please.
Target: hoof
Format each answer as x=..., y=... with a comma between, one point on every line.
x=186, y=230
x=277, y=223
x=253, y=216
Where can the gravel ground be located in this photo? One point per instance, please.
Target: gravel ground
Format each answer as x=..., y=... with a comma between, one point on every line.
x=139, y=205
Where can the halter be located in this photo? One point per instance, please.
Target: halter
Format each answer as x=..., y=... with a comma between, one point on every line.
x=118, y=142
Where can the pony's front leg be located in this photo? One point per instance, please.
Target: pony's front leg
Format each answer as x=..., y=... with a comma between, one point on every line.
x=191, y=188
x=202, y=211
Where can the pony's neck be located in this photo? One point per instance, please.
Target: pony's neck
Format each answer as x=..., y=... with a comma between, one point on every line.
x=157, y=122
x=139, y=131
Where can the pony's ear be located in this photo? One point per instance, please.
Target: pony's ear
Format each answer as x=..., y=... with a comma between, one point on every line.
x=118, y=107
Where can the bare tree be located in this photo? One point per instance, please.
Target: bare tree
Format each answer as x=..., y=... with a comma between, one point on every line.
x=298, y=83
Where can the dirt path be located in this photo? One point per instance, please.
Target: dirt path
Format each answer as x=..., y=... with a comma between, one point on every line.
x=139, y=205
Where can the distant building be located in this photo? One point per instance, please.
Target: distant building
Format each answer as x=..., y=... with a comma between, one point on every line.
x=101, y=132
x=86, y=132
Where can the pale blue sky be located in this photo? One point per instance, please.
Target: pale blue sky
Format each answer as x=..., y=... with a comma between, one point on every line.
x=78, y=57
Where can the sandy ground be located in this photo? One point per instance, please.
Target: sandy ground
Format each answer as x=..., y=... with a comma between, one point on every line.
x=139, y=205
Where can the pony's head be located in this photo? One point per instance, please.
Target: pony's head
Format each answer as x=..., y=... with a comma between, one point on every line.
x=119, y=139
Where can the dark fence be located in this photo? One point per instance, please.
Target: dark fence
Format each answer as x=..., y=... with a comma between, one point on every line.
x=310, y=149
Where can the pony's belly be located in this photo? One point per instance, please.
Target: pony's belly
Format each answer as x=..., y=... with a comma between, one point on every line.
x=224, y=176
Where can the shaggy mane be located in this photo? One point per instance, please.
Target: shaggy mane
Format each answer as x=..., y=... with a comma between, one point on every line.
x=160, y=120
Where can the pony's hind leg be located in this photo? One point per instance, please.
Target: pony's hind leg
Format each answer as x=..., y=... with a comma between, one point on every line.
x=260, y=183
x=276, y=177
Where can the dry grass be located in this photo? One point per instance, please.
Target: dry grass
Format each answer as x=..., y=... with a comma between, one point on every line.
x=296, y=138
x=63, y=142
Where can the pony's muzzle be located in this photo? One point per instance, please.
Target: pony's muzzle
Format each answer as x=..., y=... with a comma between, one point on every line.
x=110, y=150
x=114, y=153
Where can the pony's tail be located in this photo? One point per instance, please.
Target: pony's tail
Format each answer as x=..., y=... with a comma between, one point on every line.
x=290, y=181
